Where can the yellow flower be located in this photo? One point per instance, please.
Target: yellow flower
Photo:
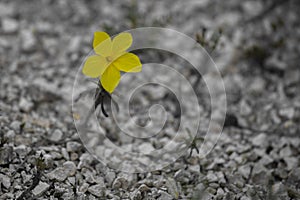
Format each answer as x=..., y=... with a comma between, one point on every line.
x=111, y=58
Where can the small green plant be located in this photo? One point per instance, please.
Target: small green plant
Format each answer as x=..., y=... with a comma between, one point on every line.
x=110, y=60
x=193, y=141
x=209, y=42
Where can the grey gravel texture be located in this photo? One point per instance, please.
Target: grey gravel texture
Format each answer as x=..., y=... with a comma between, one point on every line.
x=42, y=43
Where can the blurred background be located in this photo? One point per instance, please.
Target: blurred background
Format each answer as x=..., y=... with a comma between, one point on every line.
x=255, y=45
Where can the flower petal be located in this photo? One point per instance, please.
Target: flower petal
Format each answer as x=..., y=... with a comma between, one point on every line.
x=102, y=44
x=121, y=43
x=99, y=37
x=110, y=78
x=128, y=62
x=94, y=66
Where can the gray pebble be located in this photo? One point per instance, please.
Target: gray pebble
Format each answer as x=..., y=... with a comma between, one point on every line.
x=9, y=25
x=25, y=104
x=260, y=140
x=59, y=174
x=279, y=189
x=287, y=112
x=6, y=155
x=220, y=193
x=164, y=195
x=65, y=153
x=291, y=162
x=97, y=190
x=285, y=152
x=245, y=198
x=294, y=176
x=6, y=9
x=56, y=135
x=15, y=125
x=5, y=180
x=40, y=188
x=136, y=195
x=73, y=146
x=84, y=187
x=120, y=182
x=109, y=177
x=245, y=171
x=70, y=168
x=28, y=41
x=211, y=177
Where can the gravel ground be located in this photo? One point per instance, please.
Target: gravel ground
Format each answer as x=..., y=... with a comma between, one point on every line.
x=42, y=44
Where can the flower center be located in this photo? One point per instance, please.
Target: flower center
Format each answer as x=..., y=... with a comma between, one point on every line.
x=109, y=58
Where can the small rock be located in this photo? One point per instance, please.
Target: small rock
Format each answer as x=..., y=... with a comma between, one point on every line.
x=211, y=190
x=257, y=85
x=73, y=146
x=164, y=195
x=5, y=180
x=285, y=152
x=6, y=155
x=74, y=156
x=85, y=160
x=9, y=25
x=245, y=198
x=281, y=172
x=70, y=168
x=291, y=162
x=136, y=195
x=40, y=188
x=6, y=9
x=240, y=184
x=10, y=134
x=55, y=155
x=260, y=178
x=219, y=161
x=120, y=182
x=265, y=160
x=56, y=135
x=214, y=185
x=25, y=105
x=230, y=149
x=58, y=174
x=75, y=44
x=143, y=188
x=220, y=193
x=99, y=180
x=109, y=177
x=146, y=148
x=48, y=160
x=25, y=177
x=287, y=112
x=221, y=177
x=291, y=76
x=258, y=167
x=245, y=171
x=21, y=150
x=65, y=153
x=15, y=125
x=194, y=168
x=89, y=175
x=28, y=41
x=294, y=176
x=211, y=177
x=97, y=190
x=245, y=108
x=295, y=142
x=260, y=140
x=278, y=189
x=72, y=180
x=84, y=187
